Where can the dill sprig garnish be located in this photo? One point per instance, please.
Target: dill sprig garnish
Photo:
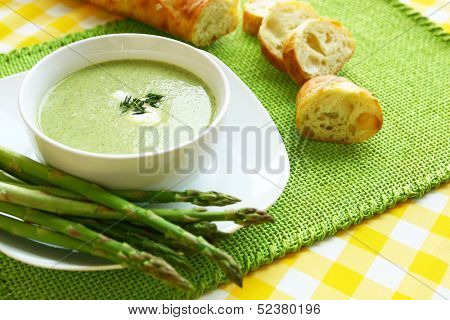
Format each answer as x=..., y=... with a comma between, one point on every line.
x=153, y=99
x=137, y=105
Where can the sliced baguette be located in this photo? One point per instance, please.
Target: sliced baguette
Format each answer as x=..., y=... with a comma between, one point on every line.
x=319, y=46
x=334, y=109
x=198, y=21
x=218, y=18
x=283, y=17
x=254, y=12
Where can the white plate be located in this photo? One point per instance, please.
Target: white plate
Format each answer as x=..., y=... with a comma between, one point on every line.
x=258, y=186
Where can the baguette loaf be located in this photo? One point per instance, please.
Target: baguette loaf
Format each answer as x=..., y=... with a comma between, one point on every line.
x=283, y=17
x=254, y=12
x=334, y=109
x=317, y=47
x=197, y=21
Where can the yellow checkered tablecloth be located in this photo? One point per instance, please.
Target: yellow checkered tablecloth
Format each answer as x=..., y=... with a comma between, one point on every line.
x=403, y=254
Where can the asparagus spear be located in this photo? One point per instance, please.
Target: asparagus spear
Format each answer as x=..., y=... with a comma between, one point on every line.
x=29, y=231
x=48, y=190
x=139, y=260
x=39, y=199
x=36, y=199
x=137, y=241
x=243, y=216
x=209, y=198
x=14, y=163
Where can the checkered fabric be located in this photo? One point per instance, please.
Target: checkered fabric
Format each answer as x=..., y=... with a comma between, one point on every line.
x=402, y=254
x=27, y=22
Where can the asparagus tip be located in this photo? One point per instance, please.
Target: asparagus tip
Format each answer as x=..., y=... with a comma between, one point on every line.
x=247, y=216
x=210, y=198
x=168, y=274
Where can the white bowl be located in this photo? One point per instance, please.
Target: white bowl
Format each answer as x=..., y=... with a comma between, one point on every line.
x=156, y=169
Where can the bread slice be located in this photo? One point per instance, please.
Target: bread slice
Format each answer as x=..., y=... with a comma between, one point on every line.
x=198, y=21
x=254, y=12
x=334, y=109
x=283, y=17
x=319, y=46
x=218, y=18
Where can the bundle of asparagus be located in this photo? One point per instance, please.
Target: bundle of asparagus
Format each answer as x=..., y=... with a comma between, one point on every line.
x=56, y=208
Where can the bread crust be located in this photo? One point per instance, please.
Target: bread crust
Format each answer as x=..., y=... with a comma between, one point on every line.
x=177, y=17
x=314, y=90
x=317, y=83
x=292, y=63
x=276, y=61
x=301, y=10
x=254, y=14
x=251, y=23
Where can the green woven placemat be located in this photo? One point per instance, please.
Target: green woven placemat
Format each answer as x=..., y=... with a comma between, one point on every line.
x=402, y=57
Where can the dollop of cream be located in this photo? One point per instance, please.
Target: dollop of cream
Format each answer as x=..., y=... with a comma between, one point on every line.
x=119, y=95
x=151, y=117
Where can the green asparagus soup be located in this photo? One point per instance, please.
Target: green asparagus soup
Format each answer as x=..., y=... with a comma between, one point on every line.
x=121, y=107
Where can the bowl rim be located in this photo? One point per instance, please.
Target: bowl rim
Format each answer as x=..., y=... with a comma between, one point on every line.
x=38, y=132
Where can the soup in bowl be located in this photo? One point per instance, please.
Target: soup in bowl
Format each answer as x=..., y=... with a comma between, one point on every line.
x=115, y=99
x=124, y=111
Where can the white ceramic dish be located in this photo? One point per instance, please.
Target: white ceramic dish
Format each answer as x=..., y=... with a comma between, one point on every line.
x=121, y=171
x=258, y=188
